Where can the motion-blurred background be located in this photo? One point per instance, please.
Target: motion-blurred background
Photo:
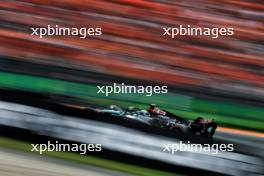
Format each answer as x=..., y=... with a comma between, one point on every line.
x=215, y=78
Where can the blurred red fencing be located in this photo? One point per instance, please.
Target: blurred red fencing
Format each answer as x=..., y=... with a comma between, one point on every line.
x=132, y=44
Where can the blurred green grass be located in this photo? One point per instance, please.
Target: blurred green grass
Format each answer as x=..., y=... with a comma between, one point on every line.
x=84, y=159
x=224, y=113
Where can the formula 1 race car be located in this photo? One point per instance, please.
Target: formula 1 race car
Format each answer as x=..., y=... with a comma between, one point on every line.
x=165, y=119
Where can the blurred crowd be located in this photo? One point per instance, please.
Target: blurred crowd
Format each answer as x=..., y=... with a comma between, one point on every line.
x=132, y=44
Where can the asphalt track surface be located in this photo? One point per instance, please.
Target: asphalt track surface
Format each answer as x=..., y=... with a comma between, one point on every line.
x=253, y=142
x=134, y=142
x=14, y=163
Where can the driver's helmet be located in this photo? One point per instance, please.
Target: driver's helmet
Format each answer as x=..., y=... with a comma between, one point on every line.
x=114, y=107
x=144, y=113
x=130, y=108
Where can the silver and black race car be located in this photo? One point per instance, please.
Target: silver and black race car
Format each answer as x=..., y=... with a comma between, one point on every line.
x=167, y=120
